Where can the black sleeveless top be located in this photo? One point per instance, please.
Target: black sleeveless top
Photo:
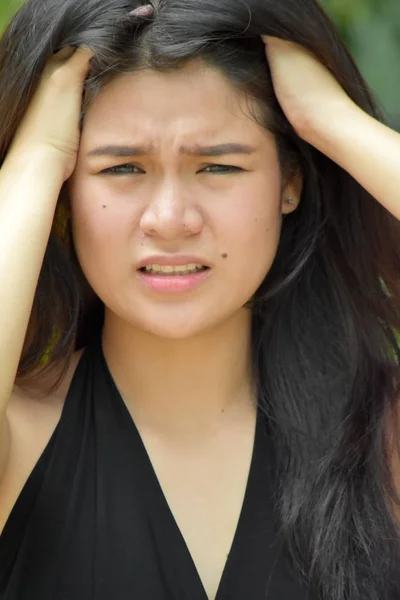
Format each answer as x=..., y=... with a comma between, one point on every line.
x=92, y=522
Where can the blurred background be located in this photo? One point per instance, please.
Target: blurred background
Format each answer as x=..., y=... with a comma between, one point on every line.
x=370, y=29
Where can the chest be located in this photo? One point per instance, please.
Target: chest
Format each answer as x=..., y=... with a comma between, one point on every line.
x=205, y=488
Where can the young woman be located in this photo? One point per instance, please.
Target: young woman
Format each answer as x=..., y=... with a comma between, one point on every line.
x=200, y=299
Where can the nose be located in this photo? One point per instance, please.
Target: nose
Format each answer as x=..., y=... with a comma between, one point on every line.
x=170, y=214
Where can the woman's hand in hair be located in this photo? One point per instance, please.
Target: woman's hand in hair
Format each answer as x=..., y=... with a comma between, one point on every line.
x=324, y=116
x=308, y=93
x=51, y=122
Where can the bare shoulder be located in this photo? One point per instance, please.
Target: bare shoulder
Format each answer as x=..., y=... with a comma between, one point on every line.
x=30, y=423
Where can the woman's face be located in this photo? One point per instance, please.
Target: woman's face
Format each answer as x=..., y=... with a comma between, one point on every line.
x=171, y=199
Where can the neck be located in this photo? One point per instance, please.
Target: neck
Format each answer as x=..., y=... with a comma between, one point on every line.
x=182, y=385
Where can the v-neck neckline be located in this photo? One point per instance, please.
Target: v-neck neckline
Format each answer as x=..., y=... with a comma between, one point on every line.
x=155, y=496
x=175, y=529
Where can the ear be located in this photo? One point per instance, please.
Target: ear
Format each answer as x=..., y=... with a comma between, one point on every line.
x=291, y=194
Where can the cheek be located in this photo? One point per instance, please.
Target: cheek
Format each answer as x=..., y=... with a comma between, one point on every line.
x=100, y=229
x=251, y=230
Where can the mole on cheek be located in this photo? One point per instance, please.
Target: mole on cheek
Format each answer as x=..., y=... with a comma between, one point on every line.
x=104, y=206
x=224, y=255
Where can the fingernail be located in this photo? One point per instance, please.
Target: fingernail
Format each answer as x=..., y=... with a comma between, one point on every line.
x=143, y=11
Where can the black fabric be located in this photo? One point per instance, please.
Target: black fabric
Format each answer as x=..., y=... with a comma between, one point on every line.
x=92, y=521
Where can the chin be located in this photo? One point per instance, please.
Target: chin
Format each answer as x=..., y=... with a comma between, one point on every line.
x=173, y=322
x=176, y=321
x=171, y=330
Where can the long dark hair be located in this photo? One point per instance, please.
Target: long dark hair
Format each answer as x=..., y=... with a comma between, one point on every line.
x=325, y=350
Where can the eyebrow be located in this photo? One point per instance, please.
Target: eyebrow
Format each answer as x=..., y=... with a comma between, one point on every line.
x=219, y=150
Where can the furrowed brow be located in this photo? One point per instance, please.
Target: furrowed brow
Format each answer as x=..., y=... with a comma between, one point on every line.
x=130, y=151
x=220, y=150
x=120, y=151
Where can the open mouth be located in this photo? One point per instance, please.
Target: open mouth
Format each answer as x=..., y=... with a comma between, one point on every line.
x=173, y=271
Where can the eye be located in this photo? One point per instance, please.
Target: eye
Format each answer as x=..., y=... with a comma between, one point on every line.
x=125, y=169
x=128, y=169
x=225, y=169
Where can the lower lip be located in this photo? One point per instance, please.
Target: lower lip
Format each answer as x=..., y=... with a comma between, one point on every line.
x=173, y=284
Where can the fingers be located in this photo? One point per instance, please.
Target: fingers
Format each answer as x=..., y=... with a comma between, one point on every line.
x=82, y=55
x=69, y=51
x=77, y=57
x=63, y=54
x=80, y=60
x=70, y=60
x=271, y=38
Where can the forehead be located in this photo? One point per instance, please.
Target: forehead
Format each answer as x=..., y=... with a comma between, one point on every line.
x=193, y=101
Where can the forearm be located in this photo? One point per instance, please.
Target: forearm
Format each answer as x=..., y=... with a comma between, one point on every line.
x=366, y=149
x=29, y=188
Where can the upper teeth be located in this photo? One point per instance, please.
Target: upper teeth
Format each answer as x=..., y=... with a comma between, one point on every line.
x=173, y=269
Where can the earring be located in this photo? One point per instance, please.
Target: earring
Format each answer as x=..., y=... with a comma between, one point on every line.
x=290, y=201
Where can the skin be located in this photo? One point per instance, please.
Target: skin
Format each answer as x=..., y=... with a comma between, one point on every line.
x=158, y=346
x=323, y=115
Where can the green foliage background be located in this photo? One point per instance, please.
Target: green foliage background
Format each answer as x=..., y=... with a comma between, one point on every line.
x=371, y=30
